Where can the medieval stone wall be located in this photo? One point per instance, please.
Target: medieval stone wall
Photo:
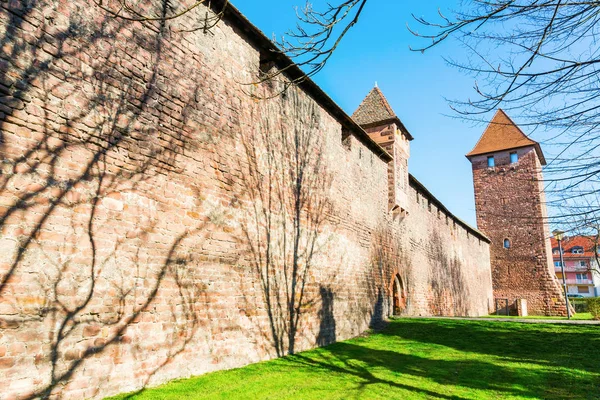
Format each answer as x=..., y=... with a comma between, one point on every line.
x=150, y=208
x=447, y=263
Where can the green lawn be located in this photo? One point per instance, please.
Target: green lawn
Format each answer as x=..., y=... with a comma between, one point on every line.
x=420, y=359
x=575, y=317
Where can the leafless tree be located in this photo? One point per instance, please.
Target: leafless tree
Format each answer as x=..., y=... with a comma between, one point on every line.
x=160, y=13
x=311, y=44
x=317, y=35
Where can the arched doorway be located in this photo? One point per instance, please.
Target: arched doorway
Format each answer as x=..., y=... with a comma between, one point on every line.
x=398, y=296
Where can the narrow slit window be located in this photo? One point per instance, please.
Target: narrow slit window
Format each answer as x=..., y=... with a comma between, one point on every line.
x=507, y=243
x=491, y=162
x=514, y=157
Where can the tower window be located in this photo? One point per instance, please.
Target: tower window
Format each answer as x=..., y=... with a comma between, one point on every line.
x=491, y=162
x=514, y=157
x=507, y=243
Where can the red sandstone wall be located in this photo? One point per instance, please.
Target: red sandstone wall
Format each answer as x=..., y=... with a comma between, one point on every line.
x=136, y=196
x=450, y=273
x=510, y=205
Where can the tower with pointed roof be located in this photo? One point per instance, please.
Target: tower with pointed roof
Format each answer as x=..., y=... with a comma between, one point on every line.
x=511, y=211
x=376, y=117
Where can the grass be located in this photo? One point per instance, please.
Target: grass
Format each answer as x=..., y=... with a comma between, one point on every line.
x=575, y=317
x=420, y=359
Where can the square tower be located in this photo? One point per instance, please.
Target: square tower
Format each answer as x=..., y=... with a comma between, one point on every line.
x=511, y=211
x=378, y=119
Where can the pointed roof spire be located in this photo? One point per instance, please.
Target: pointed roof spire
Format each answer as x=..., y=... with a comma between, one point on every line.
x=503, y=134
x=375, y=110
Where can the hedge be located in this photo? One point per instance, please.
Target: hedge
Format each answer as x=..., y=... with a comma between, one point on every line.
x=594, y=307
x=580, y=305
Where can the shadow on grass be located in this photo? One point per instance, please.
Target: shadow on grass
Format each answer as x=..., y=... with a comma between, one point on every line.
x=349, y=359
x=571, y=346
x=412, y=358
x=538, y=361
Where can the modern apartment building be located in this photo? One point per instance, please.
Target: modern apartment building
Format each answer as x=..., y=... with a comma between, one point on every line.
x=581, y=266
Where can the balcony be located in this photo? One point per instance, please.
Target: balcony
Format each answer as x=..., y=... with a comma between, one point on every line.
x=579, y=281
x=571, y=268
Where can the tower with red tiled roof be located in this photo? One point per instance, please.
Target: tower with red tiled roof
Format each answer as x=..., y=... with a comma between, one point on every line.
x=382, y=124
x=511, y=211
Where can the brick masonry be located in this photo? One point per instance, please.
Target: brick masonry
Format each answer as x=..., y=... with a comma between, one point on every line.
x=148, y=209
x=510, y=204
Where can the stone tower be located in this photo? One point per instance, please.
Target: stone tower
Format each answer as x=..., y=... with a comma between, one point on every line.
x=378, y=119
x=511, y=211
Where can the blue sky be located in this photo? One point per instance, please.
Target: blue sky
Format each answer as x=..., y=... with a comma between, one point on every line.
x=416, y=85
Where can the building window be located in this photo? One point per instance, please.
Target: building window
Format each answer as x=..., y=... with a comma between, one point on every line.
x=557, y=264
x=577, y=250
x=582, y=264
x=507, y=243
x=583, y=289
x=514, y=157
x=582, y=277
x=491, y=162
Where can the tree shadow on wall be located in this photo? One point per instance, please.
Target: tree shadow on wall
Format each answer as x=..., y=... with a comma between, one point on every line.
x=284, y=181
x=448, y=290
x=87, y=258
x=327, y=333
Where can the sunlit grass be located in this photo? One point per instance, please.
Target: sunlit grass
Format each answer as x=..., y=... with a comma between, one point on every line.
x=420, y=359
x=575, y=317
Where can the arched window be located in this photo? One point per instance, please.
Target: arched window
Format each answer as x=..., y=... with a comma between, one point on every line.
x=577, y=250
x=507, y=243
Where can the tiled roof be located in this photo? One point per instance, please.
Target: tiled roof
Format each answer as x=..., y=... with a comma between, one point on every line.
x=503, y=134
x=568, y=243
x=374, y=108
